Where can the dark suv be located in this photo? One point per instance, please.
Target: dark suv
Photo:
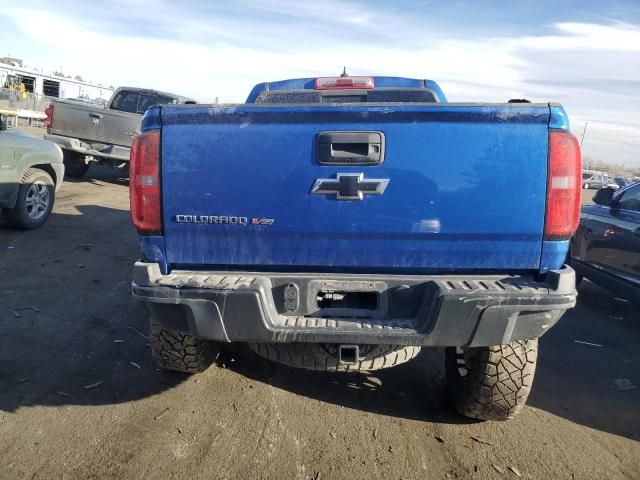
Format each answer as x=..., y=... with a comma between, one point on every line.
x=606, y=246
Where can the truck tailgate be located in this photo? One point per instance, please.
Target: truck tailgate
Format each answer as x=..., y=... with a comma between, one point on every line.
x=92, y=124
x=465, y=188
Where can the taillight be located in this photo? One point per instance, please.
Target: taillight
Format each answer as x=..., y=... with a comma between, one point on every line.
x=144, y=183
x=563, y=186
x=343, y=83
x=48, y=122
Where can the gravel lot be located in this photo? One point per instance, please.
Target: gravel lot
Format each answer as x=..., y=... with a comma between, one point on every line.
x=80, y=397
x=587, y=196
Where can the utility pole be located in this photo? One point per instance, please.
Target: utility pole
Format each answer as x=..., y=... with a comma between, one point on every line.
x=583, y=132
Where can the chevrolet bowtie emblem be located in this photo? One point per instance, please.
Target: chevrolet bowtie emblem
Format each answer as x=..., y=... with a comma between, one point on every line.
x=350, y=186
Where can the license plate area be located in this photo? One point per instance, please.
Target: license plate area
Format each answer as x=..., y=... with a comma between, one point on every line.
x=347, y=299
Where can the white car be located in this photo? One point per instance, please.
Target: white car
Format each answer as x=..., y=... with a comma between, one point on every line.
x=594, y=180
x=611, y=184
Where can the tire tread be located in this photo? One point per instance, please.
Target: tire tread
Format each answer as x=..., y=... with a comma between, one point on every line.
x=499, y=380
x=316, y=356
x=181, y=352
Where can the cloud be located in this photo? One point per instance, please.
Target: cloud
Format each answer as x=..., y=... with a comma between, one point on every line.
x=217, y=50
x=572, y=36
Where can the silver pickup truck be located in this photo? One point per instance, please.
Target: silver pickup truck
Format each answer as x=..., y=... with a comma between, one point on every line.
x=87, y=133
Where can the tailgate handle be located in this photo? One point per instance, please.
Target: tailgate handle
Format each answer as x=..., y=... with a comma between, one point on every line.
x=350, y=148
x=95, y=115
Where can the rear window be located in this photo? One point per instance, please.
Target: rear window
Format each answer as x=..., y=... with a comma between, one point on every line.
x=136, y=102
x=359, y=96
x=126, y=101
x=162, y=100
x=146, y=100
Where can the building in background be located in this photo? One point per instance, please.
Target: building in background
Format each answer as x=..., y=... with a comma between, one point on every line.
x=29, y=83
x=25, y=91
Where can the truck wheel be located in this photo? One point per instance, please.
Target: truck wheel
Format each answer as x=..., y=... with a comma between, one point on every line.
x=491, y=383
x=324, y=357
x=75, y=165
x=36, y=195
x=180, y=352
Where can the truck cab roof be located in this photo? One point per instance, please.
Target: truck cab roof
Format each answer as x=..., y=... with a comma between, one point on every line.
x=179, y=98
x=261, y=93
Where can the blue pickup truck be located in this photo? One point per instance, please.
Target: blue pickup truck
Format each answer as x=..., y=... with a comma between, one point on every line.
x=343, y=223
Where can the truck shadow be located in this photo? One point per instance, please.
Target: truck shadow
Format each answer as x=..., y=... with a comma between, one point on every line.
x=71, y=334
x=415, y=390
x=573, y=381
x=100, y=173
x=568, y=384
x=576, y=381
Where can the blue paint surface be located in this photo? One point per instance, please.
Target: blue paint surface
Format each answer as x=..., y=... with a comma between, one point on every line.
x=467, y=187
x=558, y=118
x=554, y=254
x=153, y=250
x=151, y=119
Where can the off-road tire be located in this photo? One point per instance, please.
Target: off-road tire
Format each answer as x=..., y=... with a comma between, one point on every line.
x=180, y=352
x=74, y=164
x=497, y=382
x=18, y=216
x=323, y=357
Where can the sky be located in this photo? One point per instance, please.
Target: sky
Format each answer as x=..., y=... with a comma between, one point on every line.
x=583, y=54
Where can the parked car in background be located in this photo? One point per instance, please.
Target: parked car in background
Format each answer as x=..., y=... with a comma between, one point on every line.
x=606, y=246
x=621, y=182
x=591, y=180
x=31, y=170
x=89, y=133
x=611, y=183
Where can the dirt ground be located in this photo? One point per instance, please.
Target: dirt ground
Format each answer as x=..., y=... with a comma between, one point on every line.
x=587, y=196
x=80, y=397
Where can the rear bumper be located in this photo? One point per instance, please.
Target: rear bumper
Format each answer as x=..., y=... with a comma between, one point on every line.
x=474, y=310
x=96, y=150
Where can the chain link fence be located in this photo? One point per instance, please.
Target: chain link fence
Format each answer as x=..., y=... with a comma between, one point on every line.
x=14, y=99
x=23, y=108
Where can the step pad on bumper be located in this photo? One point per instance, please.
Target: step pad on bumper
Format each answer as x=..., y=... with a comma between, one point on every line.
x=345, y=323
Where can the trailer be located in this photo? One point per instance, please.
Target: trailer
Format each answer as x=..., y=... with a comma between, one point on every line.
x=30, y=83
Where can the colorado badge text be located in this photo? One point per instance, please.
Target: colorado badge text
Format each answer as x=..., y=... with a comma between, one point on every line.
x=222, y=220
x=212, y=219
